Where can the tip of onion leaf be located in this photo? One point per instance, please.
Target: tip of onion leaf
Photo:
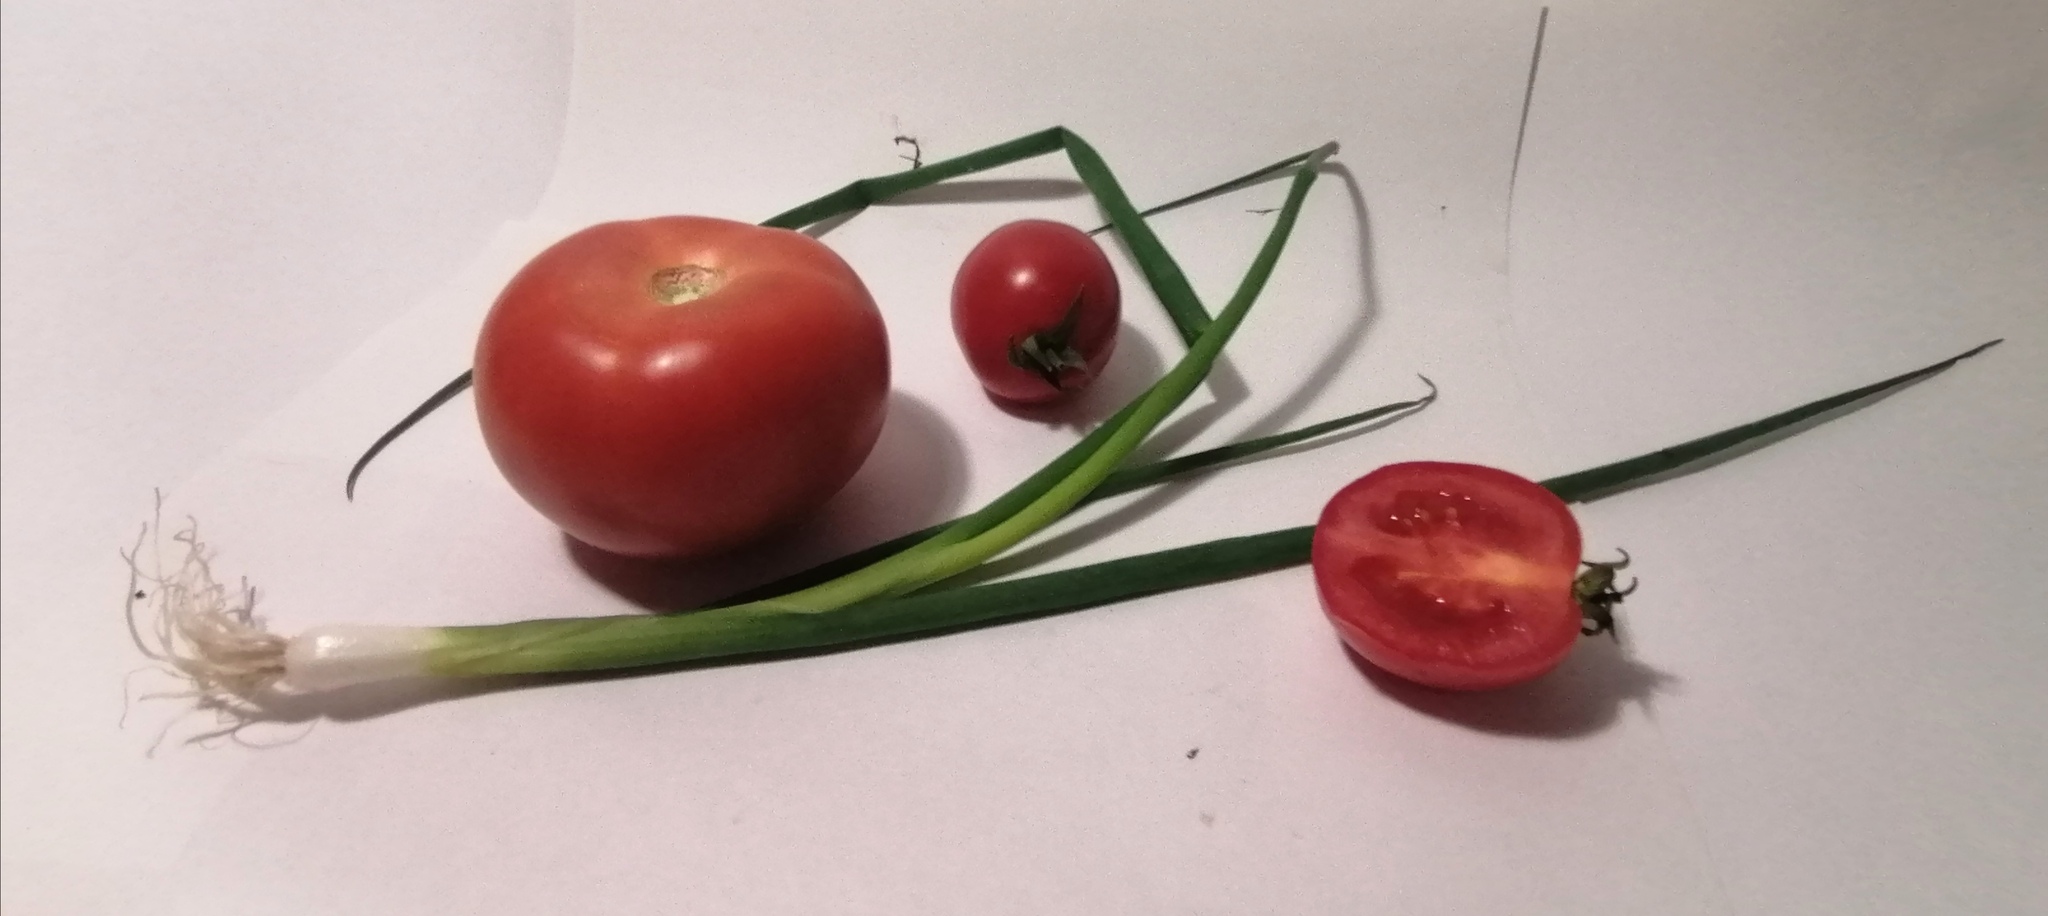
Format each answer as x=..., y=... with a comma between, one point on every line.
x=1685, y=457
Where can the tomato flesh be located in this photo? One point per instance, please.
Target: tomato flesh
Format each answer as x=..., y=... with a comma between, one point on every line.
x=1036, y=309
x=678, y=386
x=1455, y=576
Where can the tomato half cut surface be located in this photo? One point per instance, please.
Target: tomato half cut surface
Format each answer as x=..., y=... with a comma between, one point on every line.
x=1455, y=576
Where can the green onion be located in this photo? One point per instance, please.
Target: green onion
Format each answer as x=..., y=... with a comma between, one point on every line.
x=252, y=661
x=217, y=643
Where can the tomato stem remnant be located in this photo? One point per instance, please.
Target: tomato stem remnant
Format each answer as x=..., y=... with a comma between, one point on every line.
x=1050, y=353
x=687, y=283
x=916, y=157
x=1594, y=590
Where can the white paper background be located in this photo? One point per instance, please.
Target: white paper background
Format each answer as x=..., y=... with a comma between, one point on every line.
x=1828, y=704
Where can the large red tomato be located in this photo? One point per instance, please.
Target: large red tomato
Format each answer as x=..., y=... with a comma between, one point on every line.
x=681, y=385
x=1036, y=308
x=1450, y=575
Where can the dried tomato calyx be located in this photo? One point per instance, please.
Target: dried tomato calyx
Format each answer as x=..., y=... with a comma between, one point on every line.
x=1595, y=592
x=1051, y=352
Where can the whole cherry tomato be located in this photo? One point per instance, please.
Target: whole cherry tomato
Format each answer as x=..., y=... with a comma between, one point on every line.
x=681, y=385
x=1450, y=575
x=1036, y=309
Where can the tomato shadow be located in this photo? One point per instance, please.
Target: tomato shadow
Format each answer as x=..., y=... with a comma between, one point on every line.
x=1583, y=696
x=915, y=476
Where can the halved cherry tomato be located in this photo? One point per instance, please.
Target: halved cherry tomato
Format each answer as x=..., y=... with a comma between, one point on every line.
x=1450, y=575
x=1036, y=309
x=681, y=385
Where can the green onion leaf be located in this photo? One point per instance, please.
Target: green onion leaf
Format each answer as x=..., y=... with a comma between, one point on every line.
x=1242, y=181
x=1147, y=475
x=1609, y=479
x=631, y=641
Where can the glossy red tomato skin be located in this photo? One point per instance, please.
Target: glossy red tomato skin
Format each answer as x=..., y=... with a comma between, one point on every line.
x=1454, y=576
x=1021, y=280
x=652, y=429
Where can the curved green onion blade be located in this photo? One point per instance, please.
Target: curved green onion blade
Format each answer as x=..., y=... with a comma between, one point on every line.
x=431, y=404
x=866, y=192
x=1240, y=182
x=623, y=642
x=1609, y=479
x=1123, y=480
x=1147, y=475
